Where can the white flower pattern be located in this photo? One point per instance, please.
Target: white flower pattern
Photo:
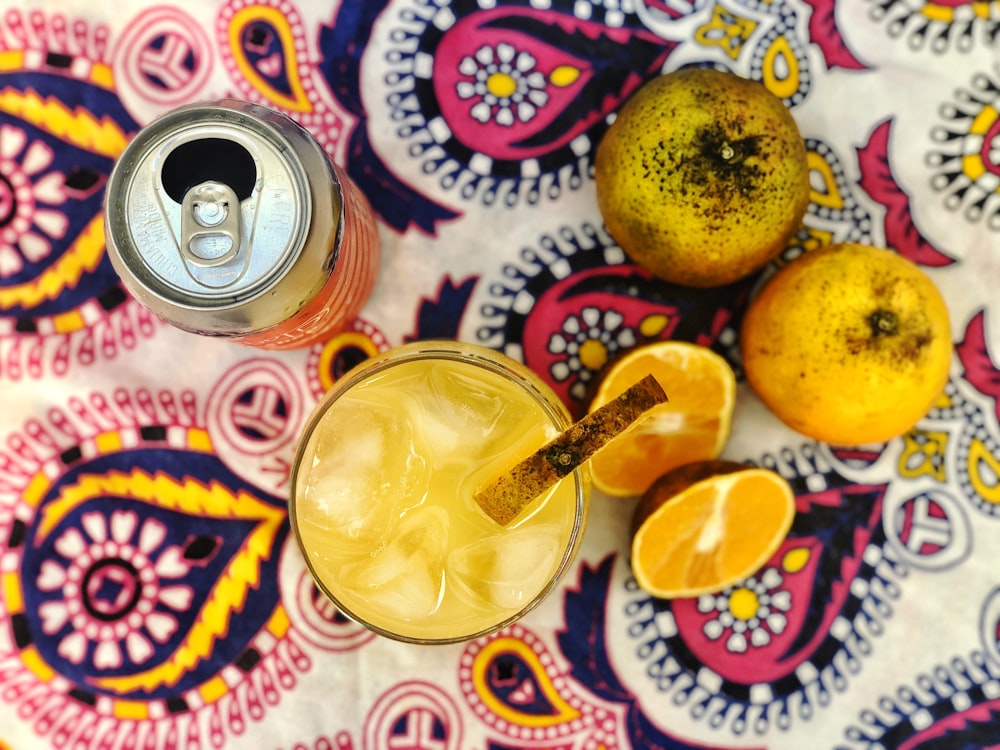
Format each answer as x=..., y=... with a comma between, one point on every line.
x=26, y=227
x=586, y=343
x=748, y=613
x=505, y=86
x=113, y=590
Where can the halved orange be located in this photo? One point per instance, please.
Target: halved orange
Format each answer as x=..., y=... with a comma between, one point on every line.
x=708, y=525
x=692, y=426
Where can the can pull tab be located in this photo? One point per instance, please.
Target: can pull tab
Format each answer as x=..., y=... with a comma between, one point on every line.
x=210, y=224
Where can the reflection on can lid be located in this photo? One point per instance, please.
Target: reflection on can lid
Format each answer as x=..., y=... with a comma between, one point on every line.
x=212, y=207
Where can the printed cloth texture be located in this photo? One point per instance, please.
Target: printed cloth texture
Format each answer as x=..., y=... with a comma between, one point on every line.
x=151, y=594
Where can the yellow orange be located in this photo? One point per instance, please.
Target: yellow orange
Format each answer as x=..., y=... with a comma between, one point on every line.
x=703, y=177
x=848, y=344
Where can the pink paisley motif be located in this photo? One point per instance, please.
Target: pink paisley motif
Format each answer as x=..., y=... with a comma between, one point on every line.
x=878, y=181
x=570, y=336
x=503, y=88
x=581, y=321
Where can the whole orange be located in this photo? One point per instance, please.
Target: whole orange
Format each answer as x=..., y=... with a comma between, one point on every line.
x=703, y=177
x=848, y=344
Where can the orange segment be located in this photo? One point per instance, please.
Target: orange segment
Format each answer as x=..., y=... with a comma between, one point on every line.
x=692, y=426
x=708, y=525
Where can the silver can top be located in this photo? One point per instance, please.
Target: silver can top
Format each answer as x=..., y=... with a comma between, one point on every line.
x=212, y=205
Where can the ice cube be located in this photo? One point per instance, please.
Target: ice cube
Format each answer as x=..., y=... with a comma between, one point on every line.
x=405, y=579
x=364, y=473
x=469, y=404
x=506, y=570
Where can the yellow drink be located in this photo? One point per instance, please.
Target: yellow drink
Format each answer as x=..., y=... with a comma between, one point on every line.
x=382, y=493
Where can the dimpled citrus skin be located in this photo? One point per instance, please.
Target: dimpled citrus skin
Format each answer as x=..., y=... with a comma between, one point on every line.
x=703, y=177
x=848, y=344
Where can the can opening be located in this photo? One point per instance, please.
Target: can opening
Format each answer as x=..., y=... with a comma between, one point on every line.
x=205, y=160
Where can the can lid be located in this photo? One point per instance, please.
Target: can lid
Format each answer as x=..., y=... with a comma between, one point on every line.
x=208, y=207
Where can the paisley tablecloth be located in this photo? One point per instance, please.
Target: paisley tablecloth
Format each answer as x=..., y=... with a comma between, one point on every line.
x=151, y=596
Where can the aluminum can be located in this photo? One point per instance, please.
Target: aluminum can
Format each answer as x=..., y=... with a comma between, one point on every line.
x=228, y=219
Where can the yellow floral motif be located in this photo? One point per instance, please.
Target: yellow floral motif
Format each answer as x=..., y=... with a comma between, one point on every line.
x=744, y=603
x=820, y=172
x=653, y=325
x=564, y=75
x=780, y=73
x=924, y=454
x=795, y=560
x=726, y=30
x=593, y=354
x=501, y=85
x=984, y=471
x=984, y=123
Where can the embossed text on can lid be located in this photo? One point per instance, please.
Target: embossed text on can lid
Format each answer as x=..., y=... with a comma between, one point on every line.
x=207, y=209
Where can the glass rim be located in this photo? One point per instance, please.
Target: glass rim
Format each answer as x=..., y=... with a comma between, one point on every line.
x=478, y=355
